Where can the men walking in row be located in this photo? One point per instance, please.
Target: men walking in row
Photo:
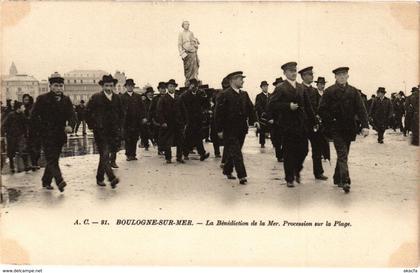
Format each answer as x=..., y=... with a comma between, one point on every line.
x=134, y=119
x=315, y=136
x=291, y=104
x=381, y=113
x=340, y=105
x=105, y=116
x=233, y=111
x=51, y=112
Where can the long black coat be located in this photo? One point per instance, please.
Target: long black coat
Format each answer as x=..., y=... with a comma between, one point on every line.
x=153, y=109
x=381, y=113
x=291, y=123
x=261, y=104
x=339, y=108
x=50, y=116
x=105, y=117
x=15, y=125
x=233, y=112
x=314, y=97
x=172, y=112
x=134, y=111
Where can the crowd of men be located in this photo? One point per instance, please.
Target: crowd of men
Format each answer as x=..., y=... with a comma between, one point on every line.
x=292, y=115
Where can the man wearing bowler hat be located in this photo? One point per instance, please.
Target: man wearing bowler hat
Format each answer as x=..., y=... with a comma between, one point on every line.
x=315, y=136
x=50, y=112
x=292, y=106
x=260, y=106
x=134, y=118
x=146, y=130
x=233, y=111
x=171, y=115
x=381, y=113
x=105, y=117
x=193, y=103
x=153, y=114
x=320, y=87
x=339, y=106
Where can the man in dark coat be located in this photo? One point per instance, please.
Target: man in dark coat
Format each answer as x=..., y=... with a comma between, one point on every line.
x=260, y=106
x=412, y=103
x=134, y=118
x=276, y=137
x=104, y=115
x=146, y=129
x=291, y=104
x=51, y=111
x=315, y=136
x=193, y=103
x=340, y=105
x=398, y=107
x=34, y=138
x=234, y=110
x=369, y=102
x=153, y=114
x=81, y=117
x=381, y=113
x=170, y=114
x=325, y=144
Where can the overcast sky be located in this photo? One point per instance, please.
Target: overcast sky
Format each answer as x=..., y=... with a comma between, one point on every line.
x=379, y=42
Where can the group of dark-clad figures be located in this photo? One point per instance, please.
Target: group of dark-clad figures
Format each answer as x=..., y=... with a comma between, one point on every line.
x=183, y=118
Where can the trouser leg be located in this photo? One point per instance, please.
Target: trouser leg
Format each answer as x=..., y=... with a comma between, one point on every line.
x=316, y=147
x=342, y=147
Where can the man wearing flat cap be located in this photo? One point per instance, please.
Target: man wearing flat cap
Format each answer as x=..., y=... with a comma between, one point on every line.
x=339, y=106
x=50, y=113
x=315, y=136
x=134, y=118
x=295, y=117
x=171, y=115
x=105, y=117
x=193, y=102
x=260, y=105
x=381, y=113
x=234, y=110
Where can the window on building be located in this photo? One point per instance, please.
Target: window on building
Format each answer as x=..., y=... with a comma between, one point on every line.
x=81, y=81
x=19, y=89
x=68, y=81
x=75, y=81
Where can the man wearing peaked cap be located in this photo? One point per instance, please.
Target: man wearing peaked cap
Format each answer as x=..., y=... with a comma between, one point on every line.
x=53, y=110
x=381, y=113
x=134, y=118
x=295, y=117
x=315, y=136
x=340, y=105
x=231, y=121
x=105, y=116
x=260, y=105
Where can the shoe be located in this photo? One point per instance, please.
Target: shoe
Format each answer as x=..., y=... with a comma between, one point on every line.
x=321, y=177
x=204, y=156
x=298, y=179
x=168, y=161
x=230, y=176
x=186, y=157
x=290, y=184
x=100, y=183
x=181, y=161
x=262, y=146
x=114, y=182
x=134, y=158
x=346, y=187
x=48, y=187
x=27, y=169
x=217, y=156
x=61, y=186
x=114, y=165
x=12, y=170
x=243, y=181
x=146, y=148
x=222, y=165
x=129, y=158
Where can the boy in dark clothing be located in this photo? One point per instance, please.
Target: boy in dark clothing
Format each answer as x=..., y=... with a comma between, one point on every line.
x=15, y=128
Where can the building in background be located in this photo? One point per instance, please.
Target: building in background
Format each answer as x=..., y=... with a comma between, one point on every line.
x=82, y=84
x=14, y=85
x=43, y=87
x=120, y=76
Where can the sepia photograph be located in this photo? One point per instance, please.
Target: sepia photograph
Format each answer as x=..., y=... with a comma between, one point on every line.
x=190, y=133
